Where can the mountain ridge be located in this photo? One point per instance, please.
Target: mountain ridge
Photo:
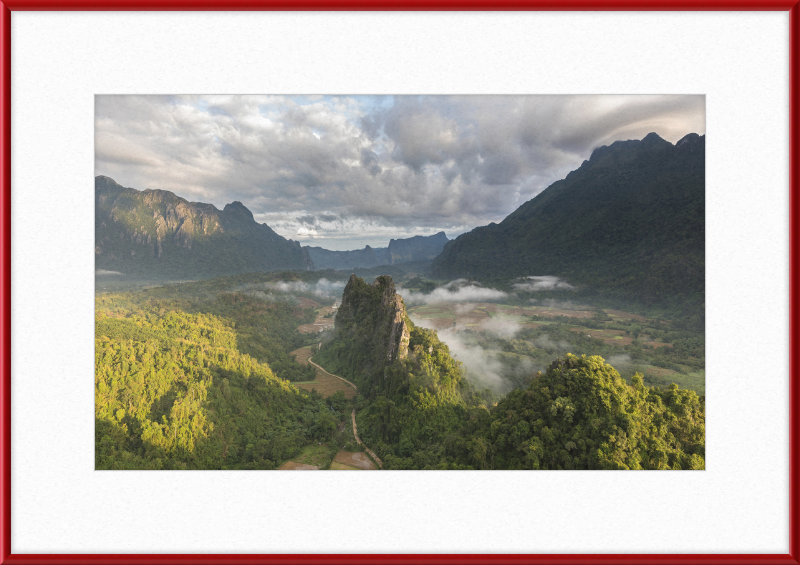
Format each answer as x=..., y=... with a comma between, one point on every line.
x=630, y=219
x=157, y=233
x=416, y=248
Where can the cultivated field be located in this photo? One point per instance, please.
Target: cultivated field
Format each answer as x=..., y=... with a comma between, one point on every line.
x=611, y=337
x=325, y=383
x=485, y=315
x=303, y=354
x=309, y=459
x=292, y=466
x=349, y=461
x=620, y=329
x=488, y=316
x=321, y=323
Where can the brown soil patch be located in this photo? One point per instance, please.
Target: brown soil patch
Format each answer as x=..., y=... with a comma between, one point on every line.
x=611, y=337
x=339, y=467
x=303, y=354
x=358, y=460
x=292, y=466
x=439, y=323
x=308, y=303
x=321, y=323
x=554, y=312
x=627, y=316
x=324, y=383
x=327, y=385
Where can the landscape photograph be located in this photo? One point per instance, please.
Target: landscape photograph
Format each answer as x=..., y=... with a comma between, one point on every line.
x=381, y=282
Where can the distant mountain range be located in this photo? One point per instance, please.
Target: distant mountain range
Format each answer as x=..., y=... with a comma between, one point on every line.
x=630, y=220
x=155, y=233
x=417, y=248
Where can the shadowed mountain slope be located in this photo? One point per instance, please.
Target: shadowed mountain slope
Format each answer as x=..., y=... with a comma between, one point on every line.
x=630, y=220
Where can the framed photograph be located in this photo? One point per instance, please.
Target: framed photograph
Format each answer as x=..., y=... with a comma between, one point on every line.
x=468, y=245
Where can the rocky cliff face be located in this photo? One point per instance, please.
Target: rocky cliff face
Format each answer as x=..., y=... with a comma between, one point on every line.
x=393, y=316
x=378, y=312
x=154, y=233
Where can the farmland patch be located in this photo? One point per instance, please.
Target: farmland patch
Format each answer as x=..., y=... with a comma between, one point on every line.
x=357, y=460
x=323, y=383
x=320, y=323
x=309, y=459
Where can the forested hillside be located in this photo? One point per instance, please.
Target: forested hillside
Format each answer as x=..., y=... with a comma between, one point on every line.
x=580, y=414
x=198, y=376
x=630, y=222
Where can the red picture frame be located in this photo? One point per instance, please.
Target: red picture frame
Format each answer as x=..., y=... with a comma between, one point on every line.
x=792, y=6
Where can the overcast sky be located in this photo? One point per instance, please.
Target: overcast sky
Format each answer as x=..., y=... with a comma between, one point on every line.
x=341, y=172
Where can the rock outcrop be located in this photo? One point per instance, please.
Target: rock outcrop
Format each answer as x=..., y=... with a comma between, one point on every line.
x=376, y=311
x=371, y=333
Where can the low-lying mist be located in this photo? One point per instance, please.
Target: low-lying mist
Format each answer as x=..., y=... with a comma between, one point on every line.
x=487, y=368
x=292, y=291
x=483, y=369
x=459, y=290
x=544, y=282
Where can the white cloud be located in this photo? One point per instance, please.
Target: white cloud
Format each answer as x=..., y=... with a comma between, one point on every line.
x=537, y=283
x=455, y=291
x=390, y=163
x=306, y=232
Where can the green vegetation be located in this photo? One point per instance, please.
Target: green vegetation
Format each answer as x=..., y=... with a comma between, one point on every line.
x=683, y=363
x=410, y=398
x=198, y=376
x=580, y=414
x=201, y=381
x=416, y=411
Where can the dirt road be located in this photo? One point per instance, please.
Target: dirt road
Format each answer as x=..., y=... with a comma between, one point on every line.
x=332, y=375
x=358, y=439
x=353, y=415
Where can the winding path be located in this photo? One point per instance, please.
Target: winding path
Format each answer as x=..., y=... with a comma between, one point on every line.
x=358, y=439
x=332, y=375
x=353, y=415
